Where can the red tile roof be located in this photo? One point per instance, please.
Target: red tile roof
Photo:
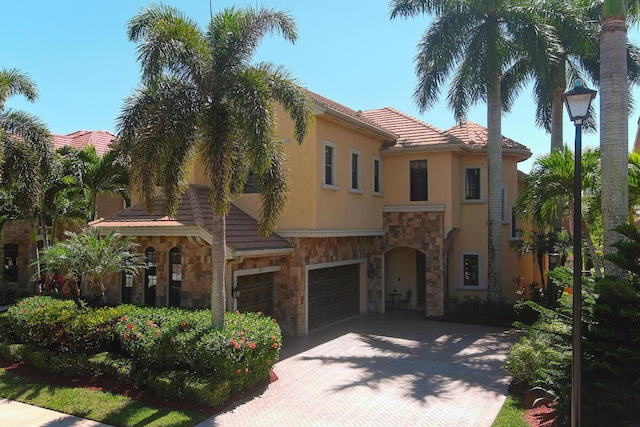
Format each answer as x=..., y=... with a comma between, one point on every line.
x=79, y=139
x=358, y=116
x=474, y=134
x=194, y=216
x=410, y=130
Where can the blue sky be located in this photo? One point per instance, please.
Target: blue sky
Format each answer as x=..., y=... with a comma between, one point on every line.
x=349, y=51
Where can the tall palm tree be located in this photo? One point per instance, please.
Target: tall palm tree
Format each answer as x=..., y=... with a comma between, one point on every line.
x=26, y=147
x=614, y=105
x=550, y=185
x=98, y=174
x=479, y=40
x=201, y=97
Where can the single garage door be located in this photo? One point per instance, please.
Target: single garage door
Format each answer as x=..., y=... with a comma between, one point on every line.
x=256, y=293
x=334, y=294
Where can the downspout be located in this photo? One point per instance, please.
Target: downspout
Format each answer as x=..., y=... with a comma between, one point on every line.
x=231, y=284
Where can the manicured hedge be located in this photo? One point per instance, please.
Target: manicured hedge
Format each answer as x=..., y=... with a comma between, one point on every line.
x=173, y=351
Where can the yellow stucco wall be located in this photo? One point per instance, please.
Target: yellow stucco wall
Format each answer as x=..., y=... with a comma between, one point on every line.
x=471, y=236
x=313, y=206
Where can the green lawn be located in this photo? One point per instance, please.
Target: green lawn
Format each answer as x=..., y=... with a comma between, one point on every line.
x=511, y=413
x=103, y=407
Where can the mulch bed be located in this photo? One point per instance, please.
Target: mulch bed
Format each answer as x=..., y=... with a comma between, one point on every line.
x=538, y=413
x=109, y=384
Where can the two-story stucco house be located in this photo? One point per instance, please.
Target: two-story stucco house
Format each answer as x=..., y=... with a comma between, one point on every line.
x=383, y=208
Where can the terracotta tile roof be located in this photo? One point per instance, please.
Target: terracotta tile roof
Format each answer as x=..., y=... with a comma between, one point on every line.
x=79, y=139
x=410, y=130
x=353, y=114
x=194, y=214
x=473, y=134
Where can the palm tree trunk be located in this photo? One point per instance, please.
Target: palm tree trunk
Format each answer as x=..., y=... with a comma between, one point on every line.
x=218, y=260
x=614, y=107
x=597, y=265
x=494, y=166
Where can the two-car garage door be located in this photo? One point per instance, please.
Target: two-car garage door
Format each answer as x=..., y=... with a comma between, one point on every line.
x=333, y=294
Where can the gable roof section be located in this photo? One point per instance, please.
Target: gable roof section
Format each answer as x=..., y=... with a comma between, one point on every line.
x=100, y=139
x=331, y=108
x=416, y=135
x=194, y=218
x=474, y=135
x=412, y=132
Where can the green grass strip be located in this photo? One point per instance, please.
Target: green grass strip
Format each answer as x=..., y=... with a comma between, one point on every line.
x=511, y=413
x=107, y=408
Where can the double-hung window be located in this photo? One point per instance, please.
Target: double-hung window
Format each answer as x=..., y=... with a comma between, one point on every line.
x=356, y=171
x=377, y=175
x=418, y=180
x=329, y=178
x=472, y=184
x=471, y=270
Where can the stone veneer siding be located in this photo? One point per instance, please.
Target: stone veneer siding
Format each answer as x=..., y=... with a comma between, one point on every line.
x=424, y=232
x=289, y=289
x=289, y=293
x=18, y=232
x=196, y=272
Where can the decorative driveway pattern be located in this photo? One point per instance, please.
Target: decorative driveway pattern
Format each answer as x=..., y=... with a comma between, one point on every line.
x=383, y=370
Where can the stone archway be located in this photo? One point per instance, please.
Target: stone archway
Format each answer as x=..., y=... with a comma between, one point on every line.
x=419, y=229
x=405, y=278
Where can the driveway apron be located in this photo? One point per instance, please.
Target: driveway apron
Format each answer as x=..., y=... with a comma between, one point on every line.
x=383, y=370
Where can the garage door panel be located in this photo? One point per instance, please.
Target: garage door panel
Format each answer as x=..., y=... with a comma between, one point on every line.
x=256, y=293
x=334, y=294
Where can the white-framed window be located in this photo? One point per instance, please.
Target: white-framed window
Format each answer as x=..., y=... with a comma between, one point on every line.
x=377, y=175
x=356, y=171
x=329, y=162
x=472, y=183
x=471, y=270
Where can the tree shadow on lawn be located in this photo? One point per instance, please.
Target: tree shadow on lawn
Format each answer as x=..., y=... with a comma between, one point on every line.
x=426, y=358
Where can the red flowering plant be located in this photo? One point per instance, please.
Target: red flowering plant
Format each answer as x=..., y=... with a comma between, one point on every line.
x=52, y=283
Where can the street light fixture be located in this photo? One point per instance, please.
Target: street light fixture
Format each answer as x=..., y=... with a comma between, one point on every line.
x=577, y=100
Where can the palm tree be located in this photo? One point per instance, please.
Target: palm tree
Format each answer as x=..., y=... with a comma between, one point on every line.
x=26, y=148
x=108, y=173
x=550, y=185
x=91, y=257
x=614, y=105
x=201, y=97
x=479, y=40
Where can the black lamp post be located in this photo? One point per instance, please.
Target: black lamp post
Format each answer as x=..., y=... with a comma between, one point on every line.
x=577, y=101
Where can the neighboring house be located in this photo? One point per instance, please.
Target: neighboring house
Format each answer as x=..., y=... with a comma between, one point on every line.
x=382, y=204
x=17, y=245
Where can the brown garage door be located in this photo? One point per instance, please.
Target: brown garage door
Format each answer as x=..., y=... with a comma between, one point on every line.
x=256, y=293
x=334, y=294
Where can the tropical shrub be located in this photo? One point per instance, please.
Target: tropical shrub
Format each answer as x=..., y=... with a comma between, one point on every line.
x=58, y=325
x=176, y=352
x=475, y=310
x=611, y=379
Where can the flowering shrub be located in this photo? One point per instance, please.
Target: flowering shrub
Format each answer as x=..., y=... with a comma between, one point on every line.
x=172, y=338
x=155, y=340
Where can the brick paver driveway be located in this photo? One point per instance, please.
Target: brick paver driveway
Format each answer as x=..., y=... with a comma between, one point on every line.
x=383, y=370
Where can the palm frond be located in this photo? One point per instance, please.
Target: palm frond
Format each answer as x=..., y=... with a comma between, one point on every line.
x=14, y=82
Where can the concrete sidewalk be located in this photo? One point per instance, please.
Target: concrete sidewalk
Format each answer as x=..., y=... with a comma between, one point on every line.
x=16, y=414
x=383, y=370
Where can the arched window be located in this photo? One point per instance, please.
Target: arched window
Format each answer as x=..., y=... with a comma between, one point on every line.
x=175, y=277
x=10, y=262
x=150, y=277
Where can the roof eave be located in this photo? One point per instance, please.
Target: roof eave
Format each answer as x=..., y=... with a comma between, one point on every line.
x=332, y=112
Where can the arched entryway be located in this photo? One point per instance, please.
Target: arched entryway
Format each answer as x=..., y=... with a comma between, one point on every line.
x=405, y=279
